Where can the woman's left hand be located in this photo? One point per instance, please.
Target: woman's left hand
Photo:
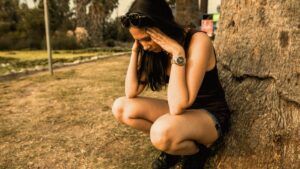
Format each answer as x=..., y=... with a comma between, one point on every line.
x=166, y=43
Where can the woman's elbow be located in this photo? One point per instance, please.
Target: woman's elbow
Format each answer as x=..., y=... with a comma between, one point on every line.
x=130, y=95
x=176, y=110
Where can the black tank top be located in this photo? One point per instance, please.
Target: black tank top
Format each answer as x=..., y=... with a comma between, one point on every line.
x=211, y=94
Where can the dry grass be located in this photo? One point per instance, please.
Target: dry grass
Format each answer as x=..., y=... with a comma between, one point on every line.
x=65, y=121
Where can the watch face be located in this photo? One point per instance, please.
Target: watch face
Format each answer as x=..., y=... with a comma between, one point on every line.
x=180, y=61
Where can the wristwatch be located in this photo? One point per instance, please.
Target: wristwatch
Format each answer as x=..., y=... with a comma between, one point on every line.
x=178, y=60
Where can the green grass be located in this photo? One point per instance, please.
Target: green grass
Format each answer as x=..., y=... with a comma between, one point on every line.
x=36, y=55
x=11, y=61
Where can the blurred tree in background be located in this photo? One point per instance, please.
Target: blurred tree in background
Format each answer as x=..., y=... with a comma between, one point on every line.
x=9, y=19
x=60, y=14
x=22, y=27
x=99, y=12
x=73, y=24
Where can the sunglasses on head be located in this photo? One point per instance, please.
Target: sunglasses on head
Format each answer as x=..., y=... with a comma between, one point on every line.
x=135, y=19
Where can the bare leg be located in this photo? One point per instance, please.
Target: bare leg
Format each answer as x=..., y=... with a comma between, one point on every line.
x=139, y=112
x=174, y=134
x=178, y=134
x=139, y=124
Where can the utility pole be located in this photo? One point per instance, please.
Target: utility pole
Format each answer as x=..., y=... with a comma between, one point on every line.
x=47, y=27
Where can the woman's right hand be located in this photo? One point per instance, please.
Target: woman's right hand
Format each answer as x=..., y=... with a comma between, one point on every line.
x=136, y=46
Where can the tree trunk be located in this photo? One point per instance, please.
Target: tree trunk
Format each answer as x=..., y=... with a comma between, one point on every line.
x=203, y=6
x=259, y=64
x=81, y=16
x=96, y=22
x=187, y=12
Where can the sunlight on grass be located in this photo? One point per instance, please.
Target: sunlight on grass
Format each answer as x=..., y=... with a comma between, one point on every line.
x=16, y=61
x=65, y=120
x=34, y=55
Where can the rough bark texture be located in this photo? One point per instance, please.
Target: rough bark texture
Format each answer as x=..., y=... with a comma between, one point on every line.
x=258, y=46
x=187, y=12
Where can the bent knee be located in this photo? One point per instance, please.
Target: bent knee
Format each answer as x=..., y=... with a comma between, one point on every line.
x=123, y=109
x=118, y=108
x=162, y=136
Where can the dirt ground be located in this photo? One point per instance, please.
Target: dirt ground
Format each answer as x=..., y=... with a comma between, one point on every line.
x=65, y=121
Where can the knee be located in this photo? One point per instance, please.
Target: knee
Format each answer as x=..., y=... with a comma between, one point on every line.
x=118, y=108
x=123, y=109
x=162, y=136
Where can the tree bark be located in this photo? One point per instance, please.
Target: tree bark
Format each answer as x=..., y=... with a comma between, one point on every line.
x=259, y=65
x=187, y=12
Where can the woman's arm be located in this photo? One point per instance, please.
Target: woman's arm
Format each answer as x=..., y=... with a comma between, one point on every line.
x=132, y=87
x=185, y=81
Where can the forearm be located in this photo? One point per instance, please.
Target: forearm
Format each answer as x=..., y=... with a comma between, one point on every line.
x=131, y=80
x=178, y=96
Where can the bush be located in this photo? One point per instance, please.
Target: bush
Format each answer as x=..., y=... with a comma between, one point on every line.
x=110, y=43
x=124, y=35
x=5, y=27
x=62, y=41
x=19, y=40
x=12, y=41
x=115, y=31
x=5, y=42
x=24, y=43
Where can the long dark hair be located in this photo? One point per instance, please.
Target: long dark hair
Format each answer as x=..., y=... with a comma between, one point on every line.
x=154, y=65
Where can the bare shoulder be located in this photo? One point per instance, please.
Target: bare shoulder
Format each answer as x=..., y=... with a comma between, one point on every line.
x=201, y=51
x=200, y=38
x=200, y=44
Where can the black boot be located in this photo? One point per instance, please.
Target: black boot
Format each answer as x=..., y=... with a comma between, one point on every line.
x=195, y=161
x=165, y=161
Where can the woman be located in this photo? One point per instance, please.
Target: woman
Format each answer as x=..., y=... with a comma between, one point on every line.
x=195, y=115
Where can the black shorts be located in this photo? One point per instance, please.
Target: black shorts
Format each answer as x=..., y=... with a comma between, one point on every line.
x=217, y=124
x=221, y=119
x=222, y=128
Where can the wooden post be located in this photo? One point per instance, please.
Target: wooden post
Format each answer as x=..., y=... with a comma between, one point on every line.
x=47, y=27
